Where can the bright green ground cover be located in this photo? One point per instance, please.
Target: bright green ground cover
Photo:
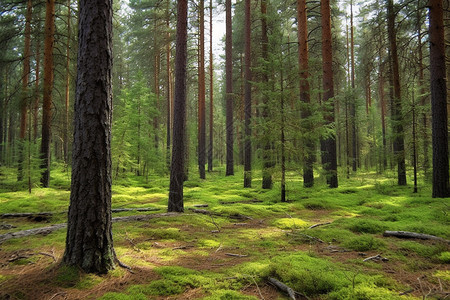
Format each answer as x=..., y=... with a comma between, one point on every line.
x=185, y=257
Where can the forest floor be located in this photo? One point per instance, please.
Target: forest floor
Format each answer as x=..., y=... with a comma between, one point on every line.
x=230, y=245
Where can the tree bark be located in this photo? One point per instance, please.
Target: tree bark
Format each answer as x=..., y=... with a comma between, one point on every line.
x=211, y=90
x=48, y=89
x=229, y=89
x=353, y=99
x=177, y=170
x=397, y=119
x=201, y=93
x=169, y=91
x=328, y=95
x=308, y=155
x=438, y=101
x=248, y=99
x=25, y=96
x=89, y=242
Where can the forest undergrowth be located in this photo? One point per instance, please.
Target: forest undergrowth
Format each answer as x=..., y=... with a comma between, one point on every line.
x=323, y=243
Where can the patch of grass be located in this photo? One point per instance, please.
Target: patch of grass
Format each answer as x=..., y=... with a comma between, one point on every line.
x=364, y=243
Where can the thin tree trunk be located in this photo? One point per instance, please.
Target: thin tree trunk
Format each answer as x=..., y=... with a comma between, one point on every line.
x=308, y=154
x=283, y=138
x=157, y=92
x=177, y=170
x=248, y=99
x=211, y=91
x=353, y=100
x=89, y=242
x=328, y=95
x=25, y=81
x=438, y=101
x=397, y=119
x=66, y=119
x=37, y=100
x=48, y=88
x=229, y=89
x=169, y=92
x=267, y=149
x=201, y=93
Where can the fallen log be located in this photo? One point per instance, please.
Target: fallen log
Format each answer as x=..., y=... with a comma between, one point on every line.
x=49, y=229
x=281, y=286
x=413, y=235
x=26, y=215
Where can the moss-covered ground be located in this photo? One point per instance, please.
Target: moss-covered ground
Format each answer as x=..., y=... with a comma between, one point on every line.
x=249, y=237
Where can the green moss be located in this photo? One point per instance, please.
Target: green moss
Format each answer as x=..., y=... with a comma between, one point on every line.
x=228, y=295
x=366, y=226
x=364, y=243
x=163, y=287
x=290, y=223
x=364, y=292
x=67, y=276
x=122, y=296
x=444, y=257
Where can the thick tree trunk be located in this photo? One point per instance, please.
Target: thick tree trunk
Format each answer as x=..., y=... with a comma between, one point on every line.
x=48, y=88
x=177, y=170
x=211, y=90
x=397, y=119
x=89, y=243
x=229, y=90
x=438, y=101
x=328, y=95
x=201, y=93
x=308, y=154
x=248, y=99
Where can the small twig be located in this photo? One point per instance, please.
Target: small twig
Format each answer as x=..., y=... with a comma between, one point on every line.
x=182, y=247
x=220, y=248
x=56, y=295
x=376, y=257
x=200, y=205
x=240, y=224
x=319, y=224
x=236, y=255
x=49, y=255
x=215, y=224
x=257, y=287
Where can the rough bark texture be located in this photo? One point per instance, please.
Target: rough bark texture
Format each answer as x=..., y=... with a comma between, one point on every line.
x=308, y=155
x=229, y=89
x=397, y=119
x=89, y=242
x=177, y=170
x=248, y=99
x=328, y=95
x=438, y=101
x=48, y=88
x=201, y=93
x=25, y=81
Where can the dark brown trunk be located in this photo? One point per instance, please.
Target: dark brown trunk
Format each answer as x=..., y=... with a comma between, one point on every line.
x=48, y=88
x=308, y=145
x=157, y=92
x=229, y=90
x=383, y=111
x=89, y=242
x=25, y=97
x=267, y=148
x=328, y=95
x=248, y=99
x=438, y=101
x=177, y=170
x=201, y=93
x=397, y=119
x=211, y=91
x=37, y=100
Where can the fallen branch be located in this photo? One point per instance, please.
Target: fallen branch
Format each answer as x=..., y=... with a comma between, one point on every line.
x=200, y=211
x=26, y=215
x=413, y=235
x=50, y=229
x=235, y=255
x=376, y=257
x=200, y=205
x=49, y=255
x=281, y=286
x=317, y=225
